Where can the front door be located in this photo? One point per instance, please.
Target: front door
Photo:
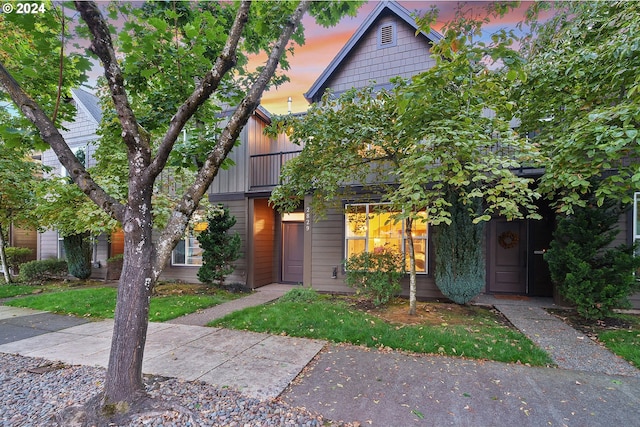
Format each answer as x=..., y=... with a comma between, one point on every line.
x=292, y=251
x=507, y=256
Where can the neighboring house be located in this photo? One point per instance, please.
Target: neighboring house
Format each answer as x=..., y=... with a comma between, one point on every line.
x=186, y=258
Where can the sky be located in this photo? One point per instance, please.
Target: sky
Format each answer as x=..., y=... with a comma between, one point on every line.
x=323, y=44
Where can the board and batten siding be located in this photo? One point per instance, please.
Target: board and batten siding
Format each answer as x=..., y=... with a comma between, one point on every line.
x=234, y=179
x=368, y=63
x=189, y=274
x=264, y=242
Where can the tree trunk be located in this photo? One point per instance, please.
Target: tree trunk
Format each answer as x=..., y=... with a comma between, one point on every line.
x=412, y=267
x=3, y=258
x=123, y=385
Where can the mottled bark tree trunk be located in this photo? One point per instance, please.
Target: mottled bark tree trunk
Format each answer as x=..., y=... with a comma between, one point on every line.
x=123, y=383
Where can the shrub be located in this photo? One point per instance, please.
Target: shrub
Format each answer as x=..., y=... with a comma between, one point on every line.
x=300, y=294
x=78, y=249
x=16, y=256
x=460, y=266
x=587, y=271
x=42, y=270
x=376, y=275
x=219, y=249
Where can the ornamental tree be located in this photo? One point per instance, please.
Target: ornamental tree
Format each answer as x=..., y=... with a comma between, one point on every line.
x=167, y=67
x=582, y=99
x=219, y=249
x=18, y=173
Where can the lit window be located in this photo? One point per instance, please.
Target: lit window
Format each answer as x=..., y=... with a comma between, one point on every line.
x=188, y=252
x=369, y=228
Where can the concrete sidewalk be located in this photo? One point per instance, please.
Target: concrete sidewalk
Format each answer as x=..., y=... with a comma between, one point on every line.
x=260, y=296
x=258, y=365
x=366, y=386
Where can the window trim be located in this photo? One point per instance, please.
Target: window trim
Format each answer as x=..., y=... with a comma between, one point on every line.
x=366, y=238
x=185, y=239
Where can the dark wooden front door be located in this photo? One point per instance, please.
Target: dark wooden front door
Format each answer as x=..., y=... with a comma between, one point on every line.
x=507, y=256
x=292, y=251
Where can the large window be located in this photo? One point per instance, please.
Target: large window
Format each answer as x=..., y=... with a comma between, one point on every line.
x=187, y=252
x=370, y=227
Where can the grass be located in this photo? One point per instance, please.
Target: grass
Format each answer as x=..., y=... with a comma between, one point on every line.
x=624, y=343
x=100, y=303
x=8, y=291
x=480, y=337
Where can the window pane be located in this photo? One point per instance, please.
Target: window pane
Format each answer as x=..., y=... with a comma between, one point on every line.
x=419, y=227
x=194, y=252
x=420, y=250
x=383, y=232
x=179, y=253
x=355, y=246
x=356, y=222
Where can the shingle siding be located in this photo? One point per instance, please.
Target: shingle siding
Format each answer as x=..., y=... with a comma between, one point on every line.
x=368, y=63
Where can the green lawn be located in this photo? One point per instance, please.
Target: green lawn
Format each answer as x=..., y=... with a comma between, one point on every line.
x=333, y=320
x=100, y=303
x=625, y=342
x=8, y=291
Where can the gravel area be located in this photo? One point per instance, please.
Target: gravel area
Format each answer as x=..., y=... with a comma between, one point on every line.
x=34, y=389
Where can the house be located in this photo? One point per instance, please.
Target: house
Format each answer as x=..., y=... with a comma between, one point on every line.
x=81, y=135
x=294, y=248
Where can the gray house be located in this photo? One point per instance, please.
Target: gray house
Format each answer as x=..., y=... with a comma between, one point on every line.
x=295, y=248
x=186, y=258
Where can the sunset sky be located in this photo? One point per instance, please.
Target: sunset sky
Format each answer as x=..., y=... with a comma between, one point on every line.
x=323, y=44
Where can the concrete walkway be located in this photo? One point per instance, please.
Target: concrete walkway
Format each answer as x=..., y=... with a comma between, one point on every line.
x=261, y=295
x=569, y=348
x=258, y=365
x=355, y=384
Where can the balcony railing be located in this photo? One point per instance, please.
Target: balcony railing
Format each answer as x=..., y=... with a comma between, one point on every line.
x=264, y=169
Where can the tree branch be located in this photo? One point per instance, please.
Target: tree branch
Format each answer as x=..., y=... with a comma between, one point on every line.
x=102, y=45
x=189, y=202
x=203, y=91
x=52, y=136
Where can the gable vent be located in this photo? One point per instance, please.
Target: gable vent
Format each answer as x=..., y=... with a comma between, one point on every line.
x=386, y=35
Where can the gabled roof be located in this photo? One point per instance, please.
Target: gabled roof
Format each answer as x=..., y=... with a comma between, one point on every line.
x=335, y=64
x=89, y=103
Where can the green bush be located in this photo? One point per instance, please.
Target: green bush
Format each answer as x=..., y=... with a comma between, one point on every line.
x=16, y=256
x=300, y=294
x=42, y=270
x=376, y=275
x=460, y=270
x=219, y=248
x=78, y=249
x=587, y=271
